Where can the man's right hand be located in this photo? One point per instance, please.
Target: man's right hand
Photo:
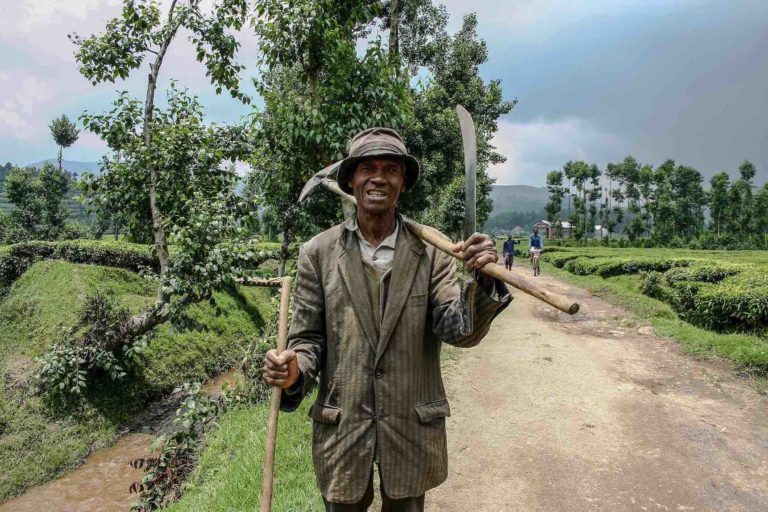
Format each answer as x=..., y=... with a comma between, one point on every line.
x=280, y=371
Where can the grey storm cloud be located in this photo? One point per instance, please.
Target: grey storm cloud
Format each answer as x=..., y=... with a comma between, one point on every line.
x=595, y=80
x=600, y=80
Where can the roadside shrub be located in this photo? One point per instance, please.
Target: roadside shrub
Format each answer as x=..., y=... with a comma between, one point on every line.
x=559, y=259
x=614, y=266
x=702, y=272
x=651, y=284
x=88, y=348
x=734, y=302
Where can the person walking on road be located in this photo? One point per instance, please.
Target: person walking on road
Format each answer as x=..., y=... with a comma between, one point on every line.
x=372, y=306
x=508, y=251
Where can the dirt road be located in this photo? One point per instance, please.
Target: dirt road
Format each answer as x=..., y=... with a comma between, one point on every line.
x=590, y=413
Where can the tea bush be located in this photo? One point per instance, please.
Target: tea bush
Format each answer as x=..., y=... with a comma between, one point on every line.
x=614, y=266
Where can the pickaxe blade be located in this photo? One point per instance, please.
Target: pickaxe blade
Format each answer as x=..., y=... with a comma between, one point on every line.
x=317, y=179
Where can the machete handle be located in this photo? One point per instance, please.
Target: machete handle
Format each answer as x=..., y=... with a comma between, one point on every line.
x=442, y=242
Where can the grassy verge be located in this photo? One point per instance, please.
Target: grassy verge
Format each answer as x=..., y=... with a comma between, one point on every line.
x=228, y=476
x=748, y=351
x=40, y=440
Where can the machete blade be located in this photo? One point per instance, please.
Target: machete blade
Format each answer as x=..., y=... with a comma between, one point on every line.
x=469, y=139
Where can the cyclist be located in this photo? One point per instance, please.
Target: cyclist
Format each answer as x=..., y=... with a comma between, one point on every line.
x=535, y=245
x=535, y=241
x=509, y=251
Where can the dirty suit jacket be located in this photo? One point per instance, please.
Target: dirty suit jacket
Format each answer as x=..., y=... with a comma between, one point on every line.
x=380, y=390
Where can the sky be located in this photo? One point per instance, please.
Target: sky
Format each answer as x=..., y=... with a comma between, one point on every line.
x=594, y=80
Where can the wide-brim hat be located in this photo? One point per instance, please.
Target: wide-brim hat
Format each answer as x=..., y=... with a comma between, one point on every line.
x=377, y=143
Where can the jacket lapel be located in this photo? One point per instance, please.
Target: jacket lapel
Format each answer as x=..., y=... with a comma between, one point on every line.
x=408, y=251
x=352, y=273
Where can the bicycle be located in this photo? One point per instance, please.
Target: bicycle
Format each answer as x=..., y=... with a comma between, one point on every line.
x=535, y=254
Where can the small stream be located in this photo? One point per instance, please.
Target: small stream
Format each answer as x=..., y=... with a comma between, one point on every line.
x=101, y=483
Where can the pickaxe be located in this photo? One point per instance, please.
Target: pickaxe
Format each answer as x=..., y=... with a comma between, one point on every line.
x=437, y=239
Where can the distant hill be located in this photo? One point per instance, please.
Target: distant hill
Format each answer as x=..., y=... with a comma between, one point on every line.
x=70, y=165
x=517, y=198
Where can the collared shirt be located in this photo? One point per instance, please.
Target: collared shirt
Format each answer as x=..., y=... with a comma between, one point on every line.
x=380, y=257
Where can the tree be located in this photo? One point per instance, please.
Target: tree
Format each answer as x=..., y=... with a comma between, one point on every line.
x=555, y=203
x=140, y=33
x=645, y=187
x=433, y=132
x=64, y=133
x=318, y=92
x=689, y=200
x=586, y=179
x=40, y=213
x=158, y=151
x=663, y=207
x=761, y=214
x=741, y=200
x=718, y=200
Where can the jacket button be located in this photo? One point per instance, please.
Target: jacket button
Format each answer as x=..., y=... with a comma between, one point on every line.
x=378, y=373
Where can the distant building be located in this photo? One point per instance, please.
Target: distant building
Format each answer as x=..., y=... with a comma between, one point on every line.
x=600, y=231
x=549, y=231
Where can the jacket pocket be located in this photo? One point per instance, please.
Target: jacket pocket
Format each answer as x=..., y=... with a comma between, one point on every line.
x=433, y=410
x=324, y=413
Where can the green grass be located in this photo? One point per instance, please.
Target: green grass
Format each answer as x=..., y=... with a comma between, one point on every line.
x=40, y=440
x=228, y=476
x=749, y=351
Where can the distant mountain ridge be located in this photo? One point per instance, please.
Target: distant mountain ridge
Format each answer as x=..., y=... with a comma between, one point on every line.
x=70, y=165
x=517, y=198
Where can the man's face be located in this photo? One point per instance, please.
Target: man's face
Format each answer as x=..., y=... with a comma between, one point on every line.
x=376, y=183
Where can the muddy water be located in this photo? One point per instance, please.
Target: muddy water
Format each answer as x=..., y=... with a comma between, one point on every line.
x=102, y=483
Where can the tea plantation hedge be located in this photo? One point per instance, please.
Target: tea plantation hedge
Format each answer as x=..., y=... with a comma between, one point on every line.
x=721, y=299
x=15, y=259
x=612, y=266
x=717, y=295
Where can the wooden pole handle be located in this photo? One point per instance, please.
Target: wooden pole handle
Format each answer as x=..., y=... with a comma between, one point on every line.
x=274, y=411
x=442, y=242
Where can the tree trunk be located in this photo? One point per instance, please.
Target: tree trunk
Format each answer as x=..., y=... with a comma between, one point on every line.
x=394, y=34
x=284, y=253
x=158, y=231
x=60, y=155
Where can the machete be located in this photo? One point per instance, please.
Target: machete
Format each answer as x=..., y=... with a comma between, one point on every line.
x=469, y=139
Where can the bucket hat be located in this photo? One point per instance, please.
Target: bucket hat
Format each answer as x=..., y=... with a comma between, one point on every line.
x=372, y=143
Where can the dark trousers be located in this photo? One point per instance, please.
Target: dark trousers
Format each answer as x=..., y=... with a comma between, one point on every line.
x=387, y=504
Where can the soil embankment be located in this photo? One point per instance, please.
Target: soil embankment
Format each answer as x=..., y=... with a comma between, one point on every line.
x=591, y=413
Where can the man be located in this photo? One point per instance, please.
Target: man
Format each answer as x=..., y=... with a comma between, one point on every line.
x=535, y=241
x=372, y=306
x=508, y=251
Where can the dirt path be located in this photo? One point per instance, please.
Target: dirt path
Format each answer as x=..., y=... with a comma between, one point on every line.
x=560, y=413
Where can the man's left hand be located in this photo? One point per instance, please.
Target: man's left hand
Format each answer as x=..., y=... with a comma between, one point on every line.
x=479, y=250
